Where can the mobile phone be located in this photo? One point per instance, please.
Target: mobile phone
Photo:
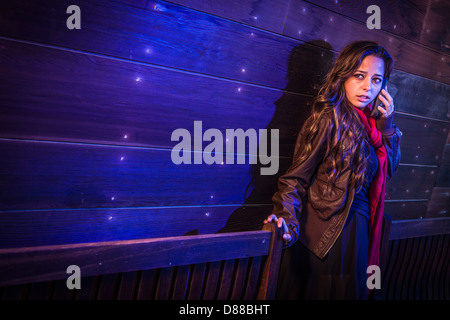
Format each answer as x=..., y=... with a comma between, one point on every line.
x=375, y=112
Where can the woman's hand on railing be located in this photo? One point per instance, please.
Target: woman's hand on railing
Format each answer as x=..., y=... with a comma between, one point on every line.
x=281, y=223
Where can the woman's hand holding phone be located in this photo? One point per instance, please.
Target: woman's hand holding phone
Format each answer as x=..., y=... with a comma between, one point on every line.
x=384, y=122
x=388, y=103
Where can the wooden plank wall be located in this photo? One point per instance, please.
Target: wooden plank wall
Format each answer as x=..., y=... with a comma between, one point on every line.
x=87, y=115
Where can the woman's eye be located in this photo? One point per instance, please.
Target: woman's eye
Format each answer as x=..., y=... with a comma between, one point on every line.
x=377, y=80
x=359, y=76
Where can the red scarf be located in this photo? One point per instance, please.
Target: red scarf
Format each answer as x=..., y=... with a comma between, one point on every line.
x=377, y=186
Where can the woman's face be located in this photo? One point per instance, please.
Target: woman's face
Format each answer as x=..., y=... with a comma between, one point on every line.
x=365, y=84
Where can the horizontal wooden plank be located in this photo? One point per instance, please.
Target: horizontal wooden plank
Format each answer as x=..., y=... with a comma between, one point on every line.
x=26, y=265
x=402, y=18
x=419, y=20
x=259, y=14
x=163, y=34
x=435, y=26
x=419, y=96
x=411, y=182
x=423, y=140
x=439, y=203
x=46, y=175
x=405, y=210
x=50, y=104
x=443, y=179
x=403, y=229
x=89, y=176
x=41, y=99
x=309, y=22
x=405, y=20
x=26, y=228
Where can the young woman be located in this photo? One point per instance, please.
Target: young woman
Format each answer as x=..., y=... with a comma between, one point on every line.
x=331, y=198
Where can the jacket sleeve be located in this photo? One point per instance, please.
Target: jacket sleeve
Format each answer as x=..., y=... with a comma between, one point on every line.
x=292, y=185
x=392, y=144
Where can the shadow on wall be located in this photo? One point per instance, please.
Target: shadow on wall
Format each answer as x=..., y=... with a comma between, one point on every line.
x=308, y=65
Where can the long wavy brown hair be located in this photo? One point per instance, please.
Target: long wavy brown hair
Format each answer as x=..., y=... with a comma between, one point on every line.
x=342, y=119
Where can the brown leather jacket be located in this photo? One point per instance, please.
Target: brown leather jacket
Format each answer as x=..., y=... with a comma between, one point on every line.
x=313, y=216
